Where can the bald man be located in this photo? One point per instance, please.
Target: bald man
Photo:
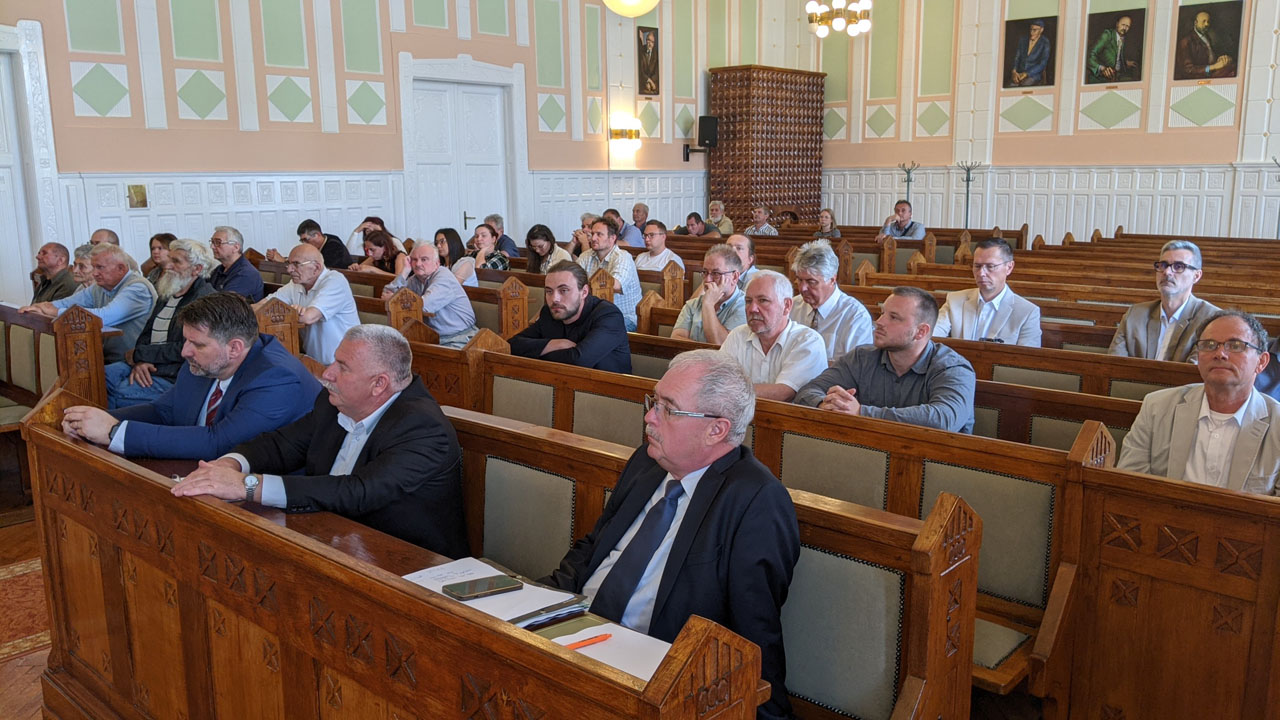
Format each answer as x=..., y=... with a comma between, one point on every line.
x=53, y=278
x=322, y=298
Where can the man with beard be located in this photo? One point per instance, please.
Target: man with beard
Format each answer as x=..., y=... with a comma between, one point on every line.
x=903, y=375
x=575, y=327
x=1218, y=432
x=1110, y=59
x=234, y=385
x=1166, y=329
x=150, y=368
x=1198, y=53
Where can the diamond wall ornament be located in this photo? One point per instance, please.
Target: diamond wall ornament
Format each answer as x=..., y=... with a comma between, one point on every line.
x=551, y=113
x=1027, y=113
x=880, y=121
x=595, y=116
x=650, y=117
x=1110, y=110
x=686, y=119
x=289, y=99
x=1202, y=106
x=366, y=103
x=833, y=123
x=201, y=94
x=100, y=89
x=933, y=119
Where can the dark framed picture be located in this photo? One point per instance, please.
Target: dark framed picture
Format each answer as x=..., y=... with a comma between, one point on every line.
x=1208, y=44
x=647, y=65
x=1030, y=52
x=1114, y=47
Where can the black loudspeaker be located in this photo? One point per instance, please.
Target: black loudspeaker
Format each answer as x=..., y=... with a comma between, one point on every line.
x=708, y=130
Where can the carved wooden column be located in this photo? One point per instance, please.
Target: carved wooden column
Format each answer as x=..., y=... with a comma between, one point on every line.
x=770, y=141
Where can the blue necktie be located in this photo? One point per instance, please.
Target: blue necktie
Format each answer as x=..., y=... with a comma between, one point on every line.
x=620, y=584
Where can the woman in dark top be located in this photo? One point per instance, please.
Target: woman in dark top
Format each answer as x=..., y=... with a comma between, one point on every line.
x=540, y=242
x=381, y=255
x=827, y=225
x=486, y=253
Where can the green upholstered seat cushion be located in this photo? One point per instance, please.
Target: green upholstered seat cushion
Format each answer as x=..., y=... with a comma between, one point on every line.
x=993, y=643
x=528, y=517
x=524, y=400
x=840, y=470
x=606, y=418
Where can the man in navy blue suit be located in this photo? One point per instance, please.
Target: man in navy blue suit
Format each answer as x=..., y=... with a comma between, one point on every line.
x=233, y=386
x=696, y=525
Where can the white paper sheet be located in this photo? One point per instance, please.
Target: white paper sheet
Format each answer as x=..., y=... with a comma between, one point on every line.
x=629, y=651
x=503, y=606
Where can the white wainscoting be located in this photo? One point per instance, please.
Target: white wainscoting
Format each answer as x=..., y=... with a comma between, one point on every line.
x=265, y=208
x=1241, y=200
x=560, y=198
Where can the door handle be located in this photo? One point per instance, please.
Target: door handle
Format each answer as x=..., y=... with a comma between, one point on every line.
x=465, y=218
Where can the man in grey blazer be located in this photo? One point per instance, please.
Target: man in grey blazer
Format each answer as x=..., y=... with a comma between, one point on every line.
x=1219, y=432
x=1166, y=329
x=991, y=311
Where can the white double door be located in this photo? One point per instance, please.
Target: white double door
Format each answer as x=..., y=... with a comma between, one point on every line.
x=16, y=243
x=460, y=139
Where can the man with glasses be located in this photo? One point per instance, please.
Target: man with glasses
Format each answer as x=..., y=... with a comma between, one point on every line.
x=991, y=311
x=1165, y=329
x=696, y=525
x=657, y=254
x=322, y=298
x=234, y=272
x=1217, y=432
x=721, y=306
x=840, y=319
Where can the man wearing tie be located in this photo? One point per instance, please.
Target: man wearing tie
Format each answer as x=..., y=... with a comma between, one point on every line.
x=696, y=525
x=840, y=319
x=991, y=311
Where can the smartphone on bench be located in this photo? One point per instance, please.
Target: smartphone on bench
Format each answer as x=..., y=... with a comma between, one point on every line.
x=482, y=587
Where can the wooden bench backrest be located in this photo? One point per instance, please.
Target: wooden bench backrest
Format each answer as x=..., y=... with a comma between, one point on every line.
x=38, y=354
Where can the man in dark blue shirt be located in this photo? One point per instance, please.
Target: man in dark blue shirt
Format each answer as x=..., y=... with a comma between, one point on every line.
x=506, y=245
x=575, y=327
x=234, y=272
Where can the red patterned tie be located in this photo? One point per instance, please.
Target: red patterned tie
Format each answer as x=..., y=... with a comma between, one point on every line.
x=213, y=405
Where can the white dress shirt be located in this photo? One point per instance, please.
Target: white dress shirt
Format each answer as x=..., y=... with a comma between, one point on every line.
x=1167, y=323
x=987, y=310
x=273, y=494
x=331, y=295
x=117, y=443
x=841, y=320
x=1210, y=460
x=797, y=356
x=639, y=612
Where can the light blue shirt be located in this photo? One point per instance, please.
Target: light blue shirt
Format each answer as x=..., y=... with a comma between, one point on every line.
x=125, y=307
x=630, y=235
x=273, y=493
x=639, y=612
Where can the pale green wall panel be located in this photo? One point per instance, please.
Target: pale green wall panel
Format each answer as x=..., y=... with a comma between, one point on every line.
x=835, y=63
x=195, y=30
x=93, y=25
x=284, y=35
x=550, y=46
x=491, y=17
x=431, y=13
x=592, y=28
x=361, y=36
x=684, y=52
x=1024, y=9
x=1097, y=6
x=885, y=36
x=937, y=37
x=717, y=40
x=748, y=20
x=649, y=19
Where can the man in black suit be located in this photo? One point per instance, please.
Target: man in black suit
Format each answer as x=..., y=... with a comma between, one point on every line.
x=696, y=525
x=378, y=450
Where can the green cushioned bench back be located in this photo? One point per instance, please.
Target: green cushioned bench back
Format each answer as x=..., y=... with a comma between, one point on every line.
x=528, y=517
x=840, y=470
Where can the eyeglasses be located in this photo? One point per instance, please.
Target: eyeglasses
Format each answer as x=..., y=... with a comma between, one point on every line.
x=989, y=267
x=716, y=275
x=1232, y=346
x=653, y=235
x=1178, y=266
x=298, y=264
x=650, y=402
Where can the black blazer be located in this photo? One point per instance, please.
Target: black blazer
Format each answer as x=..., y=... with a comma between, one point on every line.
x=407, y=481
x=731, y=561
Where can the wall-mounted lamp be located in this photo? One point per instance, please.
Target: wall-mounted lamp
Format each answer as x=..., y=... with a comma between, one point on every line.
x=624, y=134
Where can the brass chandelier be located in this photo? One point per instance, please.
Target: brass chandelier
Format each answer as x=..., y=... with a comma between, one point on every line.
x=840, y=16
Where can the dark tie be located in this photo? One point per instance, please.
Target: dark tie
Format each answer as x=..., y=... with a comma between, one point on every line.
x=620, y=584
x=213, y=405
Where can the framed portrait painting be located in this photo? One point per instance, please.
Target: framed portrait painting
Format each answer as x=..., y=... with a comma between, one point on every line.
x=647, y=65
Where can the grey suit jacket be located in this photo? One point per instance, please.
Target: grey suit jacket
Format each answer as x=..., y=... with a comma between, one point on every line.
x=1138, y=334
x=1017, y=322
x=1163, y=436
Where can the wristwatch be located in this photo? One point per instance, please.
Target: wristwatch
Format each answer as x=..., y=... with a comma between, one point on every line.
x=250, y=484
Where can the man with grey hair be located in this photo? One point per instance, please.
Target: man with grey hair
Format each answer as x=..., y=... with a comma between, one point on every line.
x=234, y=272
x=451, y=314
x=904, y=375
x=580, y=242
x=377, y=449
x=779, y=354
x=692, y=493
x=639, y=215
x=505, y=244
x=1166, y=329
x=840, y=319
x=1217, y=432
x=120, y=296
x=151, y=366
x=53, y=278
x=717, y=218
x=721, y=306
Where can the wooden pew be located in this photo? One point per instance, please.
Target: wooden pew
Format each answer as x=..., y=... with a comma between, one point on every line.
x=1211, y=284
x=192, y=607
x=669, y=283
x=869, y=624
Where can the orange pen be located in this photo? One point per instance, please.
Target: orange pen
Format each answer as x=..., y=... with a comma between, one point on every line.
x=589, y=641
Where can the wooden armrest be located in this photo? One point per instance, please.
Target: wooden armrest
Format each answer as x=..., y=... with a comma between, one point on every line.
x=908, y=705
x=1053, y=640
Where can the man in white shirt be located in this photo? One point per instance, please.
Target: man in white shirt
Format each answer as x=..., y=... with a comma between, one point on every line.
x=657, y=254
x=991, y=311
x=322, y=298
x=779, y=354
x=760, y=220
x=1219, y=432
x=1166, y=329
x=841, y=320
x=605, y=253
